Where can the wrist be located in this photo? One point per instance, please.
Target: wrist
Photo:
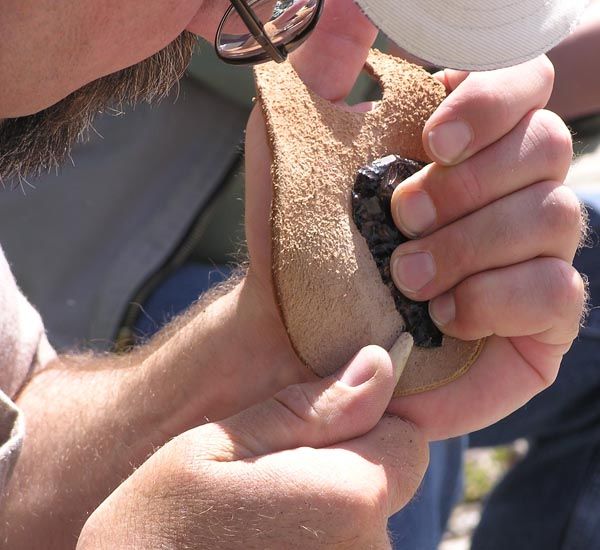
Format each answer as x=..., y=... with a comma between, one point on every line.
x=229, y=355
x=268, y=352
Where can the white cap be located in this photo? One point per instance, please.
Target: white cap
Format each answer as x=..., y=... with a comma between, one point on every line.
x=475, y=35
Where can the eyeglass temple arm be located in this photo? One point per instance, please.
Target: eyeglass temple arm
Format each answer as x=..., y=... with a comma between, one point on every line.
x=258, y=31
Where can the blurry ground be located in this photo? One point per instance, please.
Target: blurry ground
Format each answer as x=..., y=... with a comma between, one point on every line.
x=483, y=468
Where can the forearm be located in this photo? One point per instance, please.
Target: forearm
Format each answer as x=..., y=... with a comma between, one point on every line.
x=244, y=359
x=577, y=89
x=91, y=422
x=78, y=447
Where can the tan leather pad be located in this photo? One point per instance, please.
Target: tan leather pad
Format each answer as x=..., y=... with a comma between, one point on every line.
x=328, y=288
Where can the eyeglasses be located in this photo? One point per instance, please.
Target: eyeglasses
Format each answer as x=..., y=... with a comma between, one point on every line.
x=255, y=31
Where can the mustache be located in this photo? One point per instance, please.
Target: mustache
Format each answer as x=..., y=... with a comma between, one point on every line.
x=40, y=143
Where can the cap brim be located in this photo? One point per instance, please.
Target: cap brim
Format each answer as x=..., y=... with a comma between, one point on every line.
x=475, y=34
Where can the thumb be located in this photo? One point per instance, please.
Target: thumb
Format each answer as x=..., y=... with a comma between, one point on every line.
x=313, y=414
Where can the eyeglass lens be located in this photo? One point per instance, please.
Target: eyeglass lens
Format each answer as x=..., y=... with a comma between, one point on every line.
x=283, y=20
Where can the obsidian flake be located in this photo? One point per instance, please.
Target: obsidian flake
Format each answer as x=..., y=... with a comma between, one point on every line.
x=371, y=199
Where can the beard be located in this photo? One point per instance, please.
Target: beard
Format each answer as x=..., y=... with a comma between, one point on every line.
x=38, y=143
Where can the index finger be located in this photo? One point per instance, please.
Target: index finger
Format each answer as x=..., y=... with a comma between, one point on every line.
x=481, y=108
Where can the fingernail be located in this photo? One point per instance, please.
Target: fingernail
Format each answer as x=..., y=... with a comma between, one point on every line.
x=413, y=271
x=360, y=370
x=443, y=309
x=449, y=141
x=415, y=212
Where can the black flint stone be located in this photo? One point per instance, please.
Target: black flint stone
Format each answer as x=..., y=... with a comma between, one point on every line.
x=371, y=198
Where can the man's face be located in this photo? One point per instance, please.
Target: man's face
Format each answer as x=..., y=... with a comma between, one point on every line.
x=37, y=143
x=53, y=50
x=61, y=63
x=49, y=49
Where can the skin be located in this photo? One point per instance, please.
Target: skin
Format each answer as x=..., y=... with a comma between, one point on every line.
x=48, y=50
x=501, y=249
x=514, y=366
x=350, y=467
x=516, y=285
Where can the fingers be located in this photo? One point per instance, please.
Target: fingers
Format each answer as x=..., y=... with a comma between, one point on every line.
x=533, y=310
x=314, y=414
x=483, y=107
x=400, y=453
x=299, y=499
x=364, y=480
x=539, y=149
x=543, y=220
x=501, y=381
x=330, y=61
x=544, y=297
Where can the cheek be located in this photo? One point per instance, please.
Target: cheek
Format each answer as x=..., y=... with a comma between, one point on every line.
x=117, y=33
x=57, y=48
x=207, y=19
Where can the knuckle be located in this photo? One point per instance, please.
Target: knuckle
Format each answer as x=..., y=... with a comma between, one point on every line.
x=552, y=138
x=500, y=101
x=486, y=96
x=566, y=290
x=189, y=458
x=561, y=210
x=473, y=298
x=362, y=498
x=367, y=504
x=461, y=251
x=468, y=185
x=353, y=500
x=297, y=401
x=411, y=465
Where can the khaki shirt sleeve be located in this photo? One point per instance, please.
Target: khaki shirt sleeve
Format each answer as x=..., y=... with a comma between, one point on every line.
x=24, y=349
x=12, y=432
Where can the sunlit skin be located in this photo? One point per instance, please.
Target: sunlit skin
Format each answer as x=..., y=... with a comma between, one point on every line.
x=511, y=288
x=503, y=197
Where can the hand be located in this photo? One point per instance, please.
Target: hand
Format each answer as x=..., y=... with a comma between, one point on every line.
x=494, y=218
x=315, y=466
x=223, y=356
x=502, y=237
x=330, y=62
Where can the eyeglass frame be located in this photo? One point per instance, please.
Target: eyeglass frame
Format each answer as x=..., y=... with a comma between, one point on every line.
x=269, y=51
